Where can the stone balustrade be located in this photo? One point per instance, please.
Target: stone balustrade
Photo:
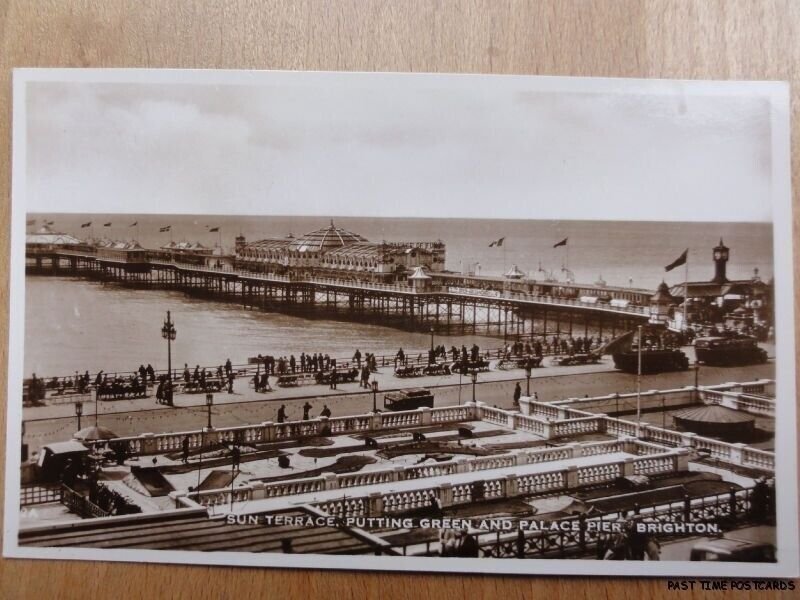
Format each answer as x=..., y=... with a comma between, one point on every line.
x=736, y=454
x=610, y=403
x=506, y=486
x=331, y=481
x=161, y=443
x=741, y=401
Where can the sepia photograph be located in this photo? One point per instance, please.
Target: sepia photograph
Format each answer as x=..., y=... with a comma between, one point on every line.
x=409, y=322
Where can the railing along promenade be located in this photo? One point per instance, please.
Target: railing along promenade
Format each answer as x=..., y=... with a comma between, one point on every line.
x=66, y=387
x=327, y=282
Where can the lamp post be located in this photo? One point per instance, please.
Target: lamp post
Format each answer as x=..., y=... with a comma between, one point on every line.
x=374, y=395
x=474, y=376
x=209, y=404
x=168, y=332
x=78, y=413
x=696, y=380
x=433, y=330
x=528, y=378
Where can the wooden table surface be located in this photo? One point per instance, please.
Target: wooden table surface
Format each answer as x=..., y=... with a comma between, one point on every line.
x=691, y=39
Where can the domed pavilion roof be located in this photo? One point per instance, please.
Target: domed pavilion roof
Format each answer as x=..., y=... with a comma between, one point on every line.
x=323, y=240
x=662, y=295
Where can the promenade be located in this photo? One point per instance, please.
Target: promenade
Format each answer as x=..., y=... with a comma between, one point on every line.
x=48, y=424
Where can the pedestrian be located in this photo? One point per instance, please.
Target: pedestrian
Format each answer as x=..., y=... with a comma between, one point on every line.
x=236, y=457
x=326, y=412
x=357, y=358
x=282, y=413
x=334, y=377
x=185, y=448
x=306, y=408
x=230, y=383
x=517, y=394
x=228, y=367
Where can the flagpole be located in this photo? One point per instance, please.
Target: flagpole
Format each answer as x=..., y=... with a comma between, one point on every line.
x=686, y=292
x=639, y=385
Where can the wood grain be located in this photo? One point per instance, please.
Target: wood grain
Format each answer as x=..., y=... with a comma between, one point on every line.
x=708, y=39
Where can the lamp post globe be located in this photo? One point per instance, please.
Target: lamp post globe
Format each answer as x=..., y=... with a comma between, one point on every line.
x=78, y=413
x=528, y=379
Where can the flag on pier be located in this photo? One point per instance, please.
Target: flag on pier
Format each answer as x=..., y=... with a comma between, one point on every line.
x=497, y=243
x=89, y=224
x=107, y=224
x=134, y=224
x=681, y=260
x=213, y=229
x=164, y=229
x=561, y=243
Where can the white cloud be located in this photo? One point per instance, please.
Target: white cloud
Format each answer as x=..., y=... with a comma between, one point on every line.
x=398, y=145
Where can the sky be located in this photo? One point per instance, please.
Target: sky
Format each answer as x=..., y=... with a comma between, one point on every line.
x=397, y=145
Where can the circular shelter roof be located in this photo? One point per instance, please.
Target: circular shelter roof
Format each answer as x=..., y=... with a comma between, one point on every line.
x=322, y=240
x=713, y=413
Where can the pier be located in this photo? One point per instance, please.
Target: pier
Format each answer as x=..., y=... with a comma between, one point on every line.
x=450, y=303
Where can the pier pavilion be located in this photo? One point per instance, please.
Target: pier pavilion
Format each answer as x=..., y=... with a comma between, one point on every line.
x=336, y=252
x=739, y=304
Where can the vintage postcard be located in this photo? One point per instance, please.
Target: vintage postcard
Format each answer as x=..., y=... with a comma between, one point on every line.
x=496, y=324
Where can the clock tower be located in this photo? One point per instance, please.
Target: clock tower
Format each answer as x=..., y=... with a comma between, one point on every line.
x=721, y=253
